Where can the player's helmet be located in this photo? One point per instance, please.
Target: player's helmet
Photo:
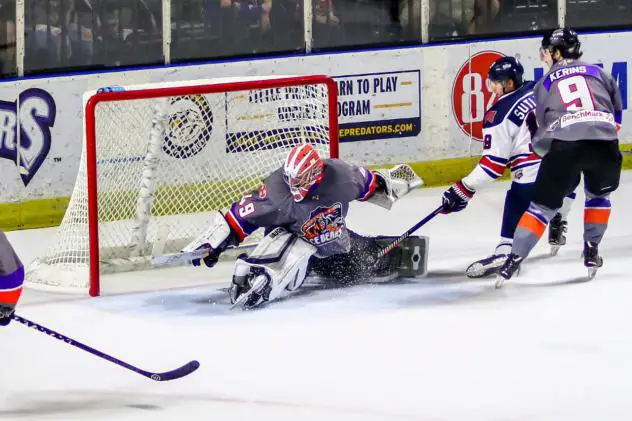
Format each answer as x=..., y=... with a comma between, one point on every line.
x=506, y=68
x=565, y=40
x=303, y=170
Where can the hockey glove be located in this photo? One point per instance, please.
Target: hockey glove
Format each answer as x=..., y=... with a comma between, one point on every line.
x=456, y=197
x=6, y=311
x=216, y=239
x=210, y=260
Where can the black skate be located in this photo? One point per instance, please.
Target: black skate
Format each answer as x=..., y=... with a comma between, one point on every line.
x=557, y=228
x=509, y=268
x=592, y=260
x=487, y=266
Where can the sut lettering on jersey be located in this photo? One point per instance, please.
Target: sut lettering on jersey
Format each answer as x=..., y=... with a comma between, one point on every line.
x=33, y=114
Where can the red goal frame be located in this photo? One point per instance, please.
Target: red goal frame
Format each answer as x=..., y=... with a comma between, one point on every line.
x=91, y=150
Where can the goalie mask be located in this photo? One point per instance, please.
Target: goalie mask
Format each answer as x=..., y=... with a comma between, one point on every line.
x=303, y=170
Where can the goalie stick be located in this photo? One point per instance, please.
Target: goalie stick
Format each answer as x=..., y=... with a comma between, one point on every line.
x=185, y=370
x=389, y=248
x=188, y=256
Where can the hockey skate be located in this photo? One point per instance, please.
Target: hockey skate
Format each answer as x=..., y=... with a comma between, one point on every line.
x=249, y=291
x=487, y=266
x=557, y=228
x=509, y=268
x=592, y=260
x=408, y=260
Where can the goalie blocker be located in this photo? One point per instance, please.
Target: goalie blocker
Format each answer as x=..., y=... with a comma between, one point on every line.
x=303, y=206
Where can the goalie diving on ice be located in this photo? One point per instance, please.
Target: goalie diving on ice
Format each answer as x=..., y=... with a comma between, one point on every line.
x=302, y=207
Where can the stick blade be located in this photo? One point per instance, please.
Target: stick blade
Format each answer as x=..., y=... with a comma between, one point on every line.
x=185, y=370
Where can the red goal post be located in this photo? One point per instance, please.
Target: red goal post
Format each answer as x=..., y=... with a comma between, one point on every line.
x=159, y=158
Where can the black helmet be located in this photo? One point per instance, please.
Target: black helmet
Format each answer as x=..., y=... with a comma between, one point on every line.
x=506, y=68
x=565, y=40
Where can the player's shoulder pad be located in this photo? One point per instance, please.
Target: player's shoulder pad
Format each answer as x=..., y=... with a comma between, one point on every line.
x=274, y=188
x=338, y=169
x=337, y=173
x=513, y=107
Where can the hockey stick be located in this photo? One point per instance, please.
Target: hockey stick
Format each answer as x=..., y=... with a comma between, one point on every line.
x=188, y=256
x=386, y=250
x=185, y=370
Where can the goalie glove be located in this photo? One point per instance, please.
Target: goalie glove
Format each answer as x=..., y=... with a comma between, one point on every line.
x=394, y=183
x=456, y=197
x=216, y=239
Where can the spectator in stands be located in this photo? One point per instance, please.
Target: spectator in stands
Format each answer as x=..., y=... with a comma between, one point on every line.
x=442, y=25
x=324, y=14
x=7, y=37
x=485, y=14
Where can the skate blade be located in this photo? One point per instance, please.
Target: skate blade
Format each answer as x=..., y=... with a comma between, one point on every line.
x=500, y=281
x=555, y=250
x=257, y=286
x=475, y=271
x=592, y=272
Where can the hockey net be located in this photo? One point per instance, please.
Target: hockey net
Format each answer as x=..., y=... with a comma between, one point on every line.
x=159, y=159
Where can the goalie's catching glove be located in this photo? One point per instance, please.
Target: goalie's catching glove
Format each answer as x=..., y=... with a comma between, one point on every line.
x=393, y=184
x=456, y=197
x=216, y=239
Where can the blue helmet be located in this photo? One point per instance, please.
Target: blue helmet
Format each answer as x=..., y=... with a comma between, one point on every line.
x=506, y=68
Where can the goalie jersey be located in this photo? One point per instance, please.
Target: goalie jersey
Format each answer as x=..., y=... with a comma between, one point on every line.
x=507, y=130
x=319, y=218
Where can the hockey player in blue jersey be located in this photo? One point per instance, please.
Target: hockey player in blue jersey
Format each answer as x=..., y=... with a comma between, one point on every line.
x=507, y=130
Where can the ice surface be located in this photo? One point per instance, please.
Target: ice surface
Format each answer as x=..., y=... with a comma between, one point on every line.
x=547, y=347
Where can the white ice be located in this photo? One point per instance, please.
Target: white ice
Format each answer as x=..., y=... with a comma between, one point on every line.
x=547, y=347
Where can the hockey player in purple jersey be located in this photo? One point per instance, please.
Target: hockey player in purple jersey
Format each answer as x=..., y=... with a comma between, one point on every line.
x=302, y=206
x=11, y=280
x=507, y=131
x=578, y=113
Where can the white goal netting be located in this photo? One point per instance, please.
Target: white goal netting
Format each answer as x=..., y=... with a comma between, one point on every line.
x=164, y=163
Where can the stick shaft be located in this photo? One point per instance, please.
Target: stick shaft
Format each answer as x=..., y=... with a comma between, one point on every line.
x=170, y=375
x=386, y=250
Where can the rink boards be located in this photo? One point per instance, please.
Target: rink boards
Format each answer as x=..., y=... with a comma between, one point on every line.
x=417, y=104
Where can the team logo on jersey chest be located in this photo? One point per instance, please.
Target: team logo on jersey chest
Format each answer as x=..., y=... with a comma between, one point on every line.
x=324, y=225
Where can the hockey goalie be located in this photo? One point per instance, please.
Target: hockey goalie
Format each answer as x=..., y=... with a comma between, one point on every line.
x=302, y=207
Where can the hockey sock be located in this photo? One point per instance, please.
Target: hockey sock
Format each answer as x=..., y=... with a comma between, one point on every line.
x=596, y=215
x=566, y=205
x=516, y=203
x=530, y=228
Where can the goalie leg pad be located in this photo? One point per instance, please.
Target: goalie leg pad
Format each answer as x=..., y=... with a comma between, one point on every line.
x=281, y=258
